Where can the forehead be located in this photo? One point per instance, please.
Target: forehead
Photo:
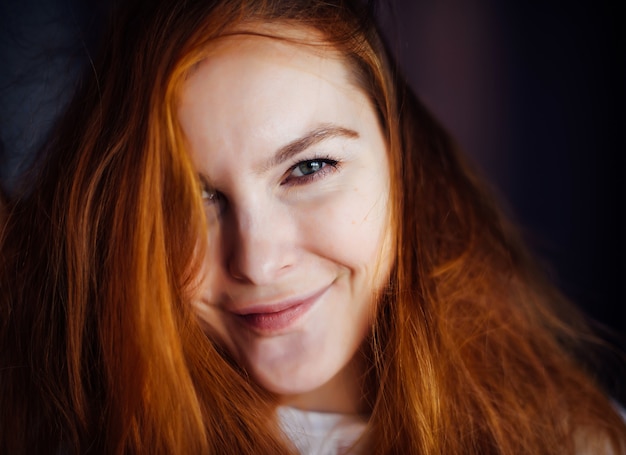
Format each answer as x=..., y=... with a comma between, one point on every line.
x=281, y=43
x=270, y=89
x=272, y=47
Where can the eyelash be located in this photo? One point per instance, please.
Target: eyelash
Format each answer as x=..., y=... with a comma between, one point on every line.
x=210, y=196
x=329, y=165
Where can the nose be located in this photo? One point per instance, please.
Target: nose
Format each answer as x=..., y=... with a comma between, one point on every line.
x=260, y=247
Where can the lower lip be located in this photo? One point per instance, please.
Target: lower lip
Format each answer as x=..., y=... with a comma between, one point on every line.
x=270, y=323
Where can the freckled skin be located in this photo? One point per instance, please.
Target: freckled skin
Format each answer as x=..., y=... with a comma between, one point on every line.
x=281, y=235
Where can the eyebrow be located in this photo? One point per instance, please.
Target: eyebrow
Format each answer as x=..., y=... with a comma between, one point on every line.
x=311, y=138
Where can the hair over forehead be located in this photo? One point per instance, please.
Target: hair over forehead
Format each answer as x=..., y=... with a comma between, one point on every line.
x=348, y=27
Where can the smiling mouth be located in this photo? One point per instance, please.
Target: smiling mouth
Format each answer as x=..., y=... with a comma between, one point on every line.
x=279, y=318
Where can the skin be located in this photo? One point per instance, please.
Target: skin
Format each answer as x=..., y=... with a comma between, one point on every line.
x=296, y=192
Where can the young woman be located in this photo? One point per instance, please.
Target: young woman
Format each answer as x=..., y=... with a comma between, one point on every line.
x=248, y=236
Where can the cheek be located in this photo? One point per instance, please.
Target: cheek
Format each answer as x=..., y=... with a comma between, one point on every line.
x=350, y=227
x=210, y=279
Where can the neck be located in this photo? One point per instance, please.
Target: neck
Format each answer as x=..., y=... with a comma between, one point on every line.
x=342, y=394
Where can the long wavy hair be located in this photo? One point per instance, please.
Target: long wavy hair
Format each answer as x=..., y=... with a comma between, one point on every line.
x=101, y=352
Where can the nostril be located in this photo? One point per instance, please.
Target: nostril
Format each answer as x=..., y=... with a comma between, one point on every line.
x=235, y=271
x=258, y=257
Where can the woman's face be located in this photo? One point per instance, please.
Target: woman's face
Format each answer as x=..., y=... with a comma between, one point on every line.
x=296, y=196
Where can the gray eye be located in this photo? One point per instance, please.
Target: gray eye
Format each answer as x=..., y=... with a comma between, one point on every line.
x=209, y=196
x=308, y=167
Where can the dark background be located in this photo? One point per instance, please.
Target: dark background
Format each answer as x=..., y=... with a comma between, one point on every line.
x=535, y=93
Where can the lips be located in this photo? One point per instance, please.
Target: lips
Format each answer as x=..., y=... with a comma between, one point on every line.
x=269, y=319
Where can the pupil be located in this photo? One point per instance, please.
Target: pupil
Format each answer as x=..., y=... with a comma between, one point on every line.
x=310, y=167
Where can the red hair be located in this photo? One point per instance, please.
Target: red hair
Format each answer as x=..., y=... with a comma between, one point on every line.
x=100, y=350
